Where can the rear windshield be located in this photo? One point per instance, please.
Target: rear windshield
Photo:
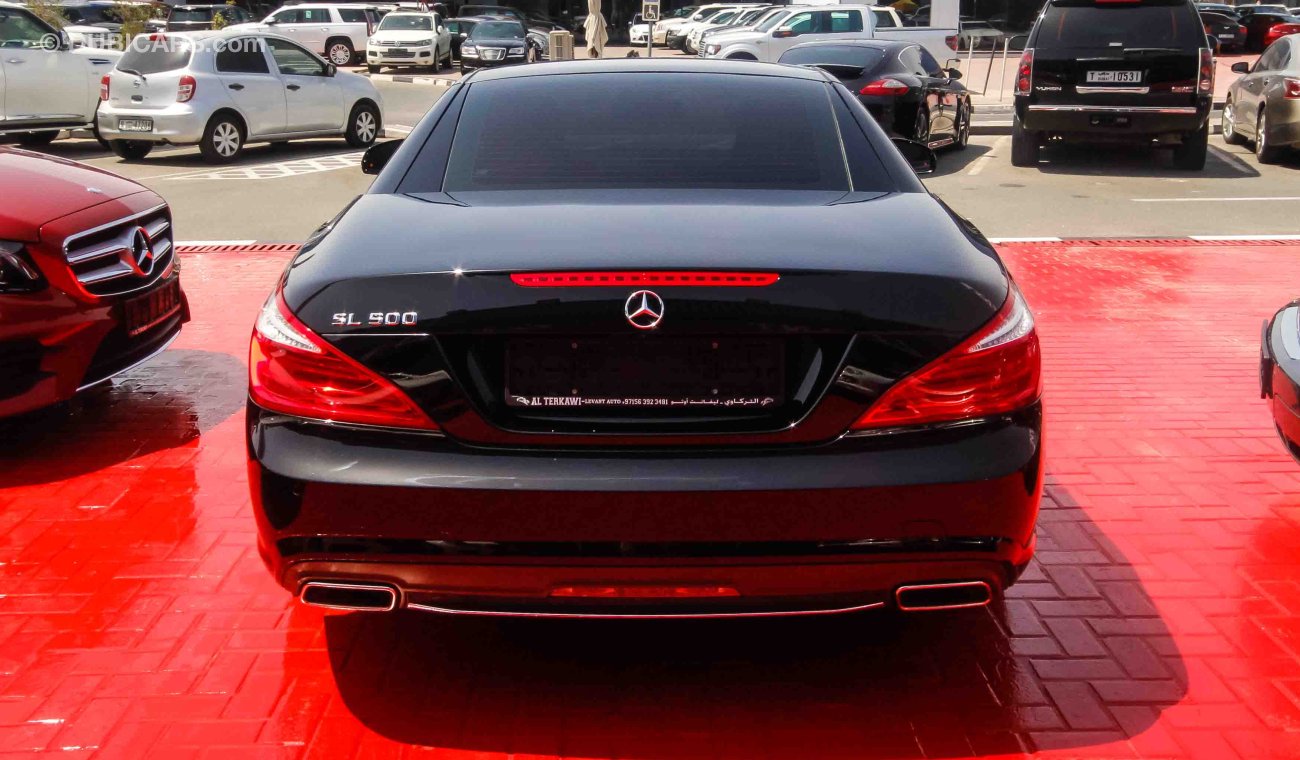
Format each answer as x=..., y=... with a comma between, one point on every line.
x=1092, y=27
x=847, y=56
x=152, y=56
x=598, y=131
x=190, y=14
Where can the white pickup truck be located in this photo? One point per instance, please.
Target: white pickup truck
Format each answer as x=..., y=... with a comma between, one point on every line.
x=45, y=85
x=807, y=23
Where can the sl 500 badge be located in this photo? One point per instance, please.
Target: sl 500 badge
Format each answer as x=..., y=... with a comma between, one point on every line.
x=376, y=319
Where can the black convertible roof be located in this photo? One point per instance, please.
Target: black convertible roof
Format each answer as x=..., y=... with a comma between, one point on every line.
x=650, y=66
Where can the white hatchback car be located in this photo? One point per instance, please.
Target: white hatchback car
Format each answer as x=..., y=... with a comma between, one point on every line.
x=409, y=38
x=222, y=90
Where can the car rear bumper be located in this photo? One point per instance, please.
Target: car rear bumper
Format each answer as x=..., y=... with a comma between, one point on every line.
x=839, y=526
x=177, y=124
x=1113, y=122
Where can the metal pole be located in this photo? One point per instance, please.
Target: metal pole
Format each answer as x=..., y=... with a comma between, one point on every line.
x=970, y=55
x=650, y=41
x=1002, y=83
x=988, y=73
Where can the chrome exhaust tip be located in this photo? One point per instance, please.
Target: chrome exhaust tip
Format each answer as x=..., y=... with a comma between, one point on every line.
x=925, y=597
x=371, y=597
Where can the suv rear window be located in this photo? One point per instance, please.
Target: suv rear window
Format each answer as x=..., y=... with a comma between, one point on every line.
x=152, y=56
x=597, y=131
x=1117, y=26
x=190, y=14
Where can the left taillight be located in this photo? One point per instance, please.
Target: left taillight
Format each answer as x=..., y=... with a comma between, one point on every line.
x=185, y=89
x=995, y=371
x=1025, y=72
x=1205, y=82
x=889, y=87
x=294, y=371
x=105, y=84
x=1292, y=91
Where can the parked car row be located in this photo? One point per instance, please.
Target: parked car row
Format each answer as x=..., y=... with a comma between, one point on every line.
x=1263, y=106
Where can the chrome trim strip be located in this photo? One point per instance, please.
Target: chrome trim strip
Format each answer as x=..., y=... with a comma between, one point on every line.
x=642, y=616
x=102, y=227
x=394, y=595
x=926, y=586
x=1086, y=90
x=1118, y=109
x=872, y=432
x=103, y=380
x=105, y=274
x=114, y=248
x=375, y=335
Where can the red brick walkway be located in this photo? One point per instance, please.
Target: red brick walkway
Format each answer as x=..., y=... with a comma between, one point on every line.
x=1162, y=618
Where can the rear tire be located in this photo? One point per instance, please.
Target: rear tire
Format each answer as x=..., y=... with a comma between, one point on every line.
x=339, y=52
x=1024, y=145
x=1228, y=125
x=921, y=126
x=1265, y=153
x=363, y=126
x=38, y=139
x=223, y=139
x=1190, y=156
x=963, y=130
x=130, y=150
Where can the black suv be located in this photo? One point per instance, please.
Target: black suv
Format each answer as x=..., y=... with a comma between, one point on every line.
x=1137, y=71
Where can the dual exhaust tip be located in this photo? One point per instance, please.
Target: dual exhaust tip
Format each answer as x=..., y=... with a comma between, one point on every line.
x=376, y=597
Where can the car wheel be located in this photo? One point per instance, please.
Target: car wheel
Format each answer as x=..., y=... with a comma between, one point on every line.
x=340, y=52
x=130, y=150
x=1190, y=155
x=222, y=140
x=1024, y=144
x=963, y=129
x=363, y=126
x=921, y=126
x=1264, y=151
x=37, y=139
x=1228, y=125
x=372, y=69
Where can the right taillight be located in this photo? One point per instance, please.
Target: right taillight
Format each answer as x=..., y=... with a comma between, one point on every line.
x=185, y=89
x=1205, y=82
x=293, y=371
x=1025, y=72
x=890, y=87
x=952, y=41
x=105, y=84
x=995, y=371
x=1292, y=88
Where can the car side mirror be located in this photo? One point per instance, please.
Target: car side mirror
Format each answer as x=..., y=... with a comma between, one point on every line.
x=463, y=35
x=922, y=159
x=1241, y=67
x=953, y=73
x=784, y=33
x=331, y=69
x=377, y=156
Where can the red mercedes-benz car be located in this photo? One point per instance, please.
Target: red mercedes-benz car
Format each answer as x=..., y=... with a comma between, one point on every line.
x=88, y=281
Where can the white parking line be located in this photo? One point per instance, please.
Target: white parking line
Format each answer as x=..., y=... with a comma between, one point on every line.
x=275, y=170
x=399, y=128
x=1255, y=198
x=1025, y=240
x=1244, y=237
x=978, y=164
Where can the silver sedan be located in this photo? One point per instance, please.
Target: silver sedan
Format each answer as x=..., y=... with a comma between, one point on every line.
x=1264, y=105
x=222, y=90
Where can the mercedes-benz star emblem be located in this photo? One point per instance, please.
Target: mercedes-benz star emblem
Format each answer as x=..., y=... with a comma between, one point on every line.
x=644, y=309
x=142, y=251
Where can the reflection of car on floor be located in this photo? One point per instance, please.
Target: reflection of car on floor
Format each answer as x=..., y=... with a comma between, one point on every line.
x=1279, y=373
x=900, y=84
x=223, y=90
x=1264, y=104
x=783, y=422
x=88, y=280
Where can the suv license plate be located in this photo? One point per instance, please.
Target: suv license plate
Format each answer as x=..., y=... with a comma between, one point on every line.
x=1114, y=77
x=135, y=125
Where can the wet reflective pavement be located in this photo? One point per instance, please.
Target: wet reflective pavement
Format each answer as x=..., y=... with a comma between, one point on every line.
x=1161, y=618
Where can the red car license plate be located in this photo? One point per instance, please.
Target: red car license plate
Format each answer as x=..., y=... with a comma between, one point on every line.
x=153, y=307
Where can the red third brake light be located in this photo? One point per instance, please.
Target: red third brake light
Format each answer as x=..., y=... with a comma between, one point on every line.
x=995, y=371
x=891, y=87
x=104, y=86
x=1025, y=72
x=293, y=371
x=185, y=89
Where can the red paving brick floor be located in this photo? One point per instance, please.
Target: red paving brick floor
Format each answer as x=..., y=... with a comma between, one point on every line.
x=1161, y=618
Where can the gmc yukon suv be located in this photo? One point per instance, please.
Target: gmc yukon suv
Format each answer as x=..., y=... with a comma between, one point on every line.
x=1137, y=71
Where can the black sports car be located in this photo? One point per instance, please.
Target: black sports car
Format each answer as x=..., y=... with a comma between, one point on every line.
x=900, y=83
x=828, y=401
x=1279, y=373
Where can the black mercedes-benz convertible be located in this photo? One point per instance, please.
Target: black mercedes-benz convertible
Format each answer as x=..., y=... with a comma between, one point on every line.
x=646, y=338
